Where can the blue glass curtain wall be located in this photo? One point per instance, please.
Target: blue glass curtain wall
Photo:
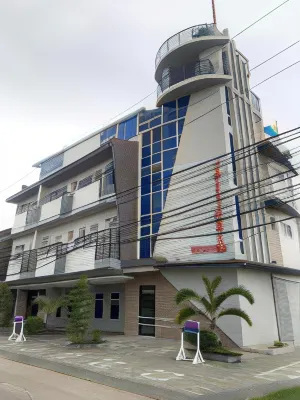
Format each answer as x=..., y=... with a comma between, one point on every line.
x=161, y=132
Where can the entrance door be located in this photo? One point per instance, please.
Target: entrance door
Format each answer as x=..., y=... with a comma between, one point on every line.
x=147, y=311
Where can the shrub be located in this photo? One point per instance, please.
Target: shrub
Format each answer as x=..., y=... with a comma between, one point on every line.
x=81, y=305
x=278, y=343
x=33, y=325
x=208, y=340
x=96, y=335
x=6, y=304
x=223, y=351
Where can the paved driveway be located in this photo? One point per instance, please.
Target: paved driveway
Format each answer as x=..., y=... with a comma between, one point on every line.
x=138, y=363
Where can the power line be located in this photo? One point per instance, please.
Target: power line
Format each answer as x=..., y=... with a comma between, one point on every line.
x=19, y=180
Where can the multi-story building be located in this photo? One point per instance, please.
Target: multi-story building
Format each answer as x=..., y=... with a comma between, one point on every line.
x=147, y=205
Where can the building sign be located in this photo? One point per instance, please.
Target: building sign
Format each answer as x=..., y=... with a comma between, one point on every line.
x=220, y=247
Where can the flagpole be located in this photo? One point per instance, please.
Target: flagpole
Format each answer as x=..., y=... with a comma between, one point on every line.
x=214, y=12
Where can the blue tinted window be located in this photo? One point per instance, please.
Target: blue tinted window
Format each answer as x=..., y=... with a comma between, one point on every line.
x=156, y=202
x=169, y=158
x=146, y=171
x=155, y=122
x=131, y=125
x=146, y=161
x=156, y=147
x=155, y=227
x=166, y=183
x=169, y=111
x=156, y=135
x=146, y=139
x=180, y=126
x=121, y=131
x=146, y=151
x=145, y=231
x=144, y=127
x=145, y=204
x=146, y=220
x=149, y=114
x=156, y=158
x=182, y=106
x=169, y=143
x=169, y=130
x=165, y=192
x=156, y=217
x=145, y=184
x=111, y=131
x=156, y=182
x=145, y=248
x=103, y=136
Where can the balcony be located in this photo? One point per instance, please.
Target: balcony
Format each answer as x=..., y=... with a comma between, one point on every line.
x=190, y=78
x=255, y=101
x=188, y=44
x=96, y=250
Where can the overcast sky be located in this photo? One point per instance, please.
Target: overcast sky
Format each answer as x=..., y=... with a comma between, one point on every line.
x=69, y=66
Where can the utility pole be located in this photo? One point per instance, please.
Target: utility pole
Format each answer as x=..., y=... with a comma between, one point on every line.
x=214, y=11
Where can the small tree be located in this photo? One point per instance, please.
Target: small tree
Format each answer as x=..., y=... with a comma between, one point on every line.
x=49, y=305
x=81, y=303
x=211, y=304
x=6, y=304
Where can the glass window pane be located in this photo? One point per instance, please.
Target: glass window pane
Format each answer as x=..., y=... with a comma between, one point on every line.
x=112, y=131
x=99, y=305
x=121, y=131
x=114, y=309
x=156, y=202
x=169, y=130
x=156, y=158
x=165, y=196
x=155, y=122
x=99, y=296
x=103, y=136
x=146, y=151
x=180, y=126
x=146, y=171
x=146, y=161
x=146, y=220
x=145, y=248
x=166, y=183
x=145, y=231
x=183, y=101
x=169, y=111
x=156, y=135
x=145, y=184
x=131, y=125
x=144, y=127
x=115, y=296
x=146, y=139
x=156, y=147
x=155, y=227
x=169, y=158
x=169, y=143
x=145, y=204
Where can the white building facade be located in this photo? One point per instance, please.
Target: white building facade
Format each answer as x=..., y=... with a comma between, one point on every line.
x=147, y=205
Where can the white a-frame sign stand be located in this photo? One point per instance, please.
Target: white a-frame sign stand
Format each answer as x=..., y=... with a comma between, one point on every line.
x=18, y=337
x=191, y=327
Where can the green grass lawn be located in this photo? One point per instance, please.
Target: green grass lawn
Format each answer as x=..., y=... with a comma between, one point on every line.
x=285, y=394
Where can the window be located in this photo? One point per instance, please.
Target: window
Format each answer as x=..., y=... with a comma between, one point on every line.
x=169, y=111
x=99, y=305
x=70, y=236
x=287, y=229
x=58, y=239
x=45, y=241
x=127, y=129
x=94, y=228
x=146, y=139
x=145, y=184
x=58, y=312
x=145, y=204
x=146, y=151
x=169, y=130
x=273, y=223
x=114, y=305
x=19, y=250
x=73, y=186
x=85, y=182
x=81, y=232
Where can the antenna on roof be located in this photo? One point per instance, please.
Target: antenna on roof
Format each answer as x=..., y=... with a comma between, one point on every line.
x=214, y=12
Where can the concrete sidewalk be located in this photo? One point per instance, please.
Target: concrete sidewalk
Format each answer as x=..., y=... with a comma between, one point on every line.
x=147, y=366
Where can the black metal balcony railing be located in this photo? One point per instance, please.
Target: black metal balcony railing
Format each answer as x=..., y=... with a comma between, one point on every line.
x=194, y=32
x=176, y=75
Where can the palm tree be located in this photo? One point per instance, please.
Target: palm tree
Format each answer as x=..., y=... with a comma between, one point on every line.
x=211, y=303
x=49, y=305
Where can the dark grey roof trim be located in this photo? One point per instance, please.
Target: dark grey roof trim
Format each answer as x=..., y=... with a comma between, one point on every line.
x=93, y=273
x=269, y=150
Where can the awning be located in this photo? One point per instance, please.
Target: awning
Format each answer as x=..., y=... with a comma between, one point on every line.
x=268, y=149
x=280, y=205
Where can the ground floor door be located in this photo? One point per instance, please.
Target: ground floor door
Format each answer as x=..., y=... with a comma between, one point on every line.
x=147, y=311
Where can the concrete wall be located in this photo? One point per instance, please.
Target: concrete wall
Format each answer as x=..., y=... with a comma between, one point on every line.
x=262, y=312
x=50, y=210
x=81, y=149
x=80, y=260
x=86, y=195
x=19, y=223
x=15, y=264
x=192, y=278
x=105, y=324
x=45, y=266
x=75, y=225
